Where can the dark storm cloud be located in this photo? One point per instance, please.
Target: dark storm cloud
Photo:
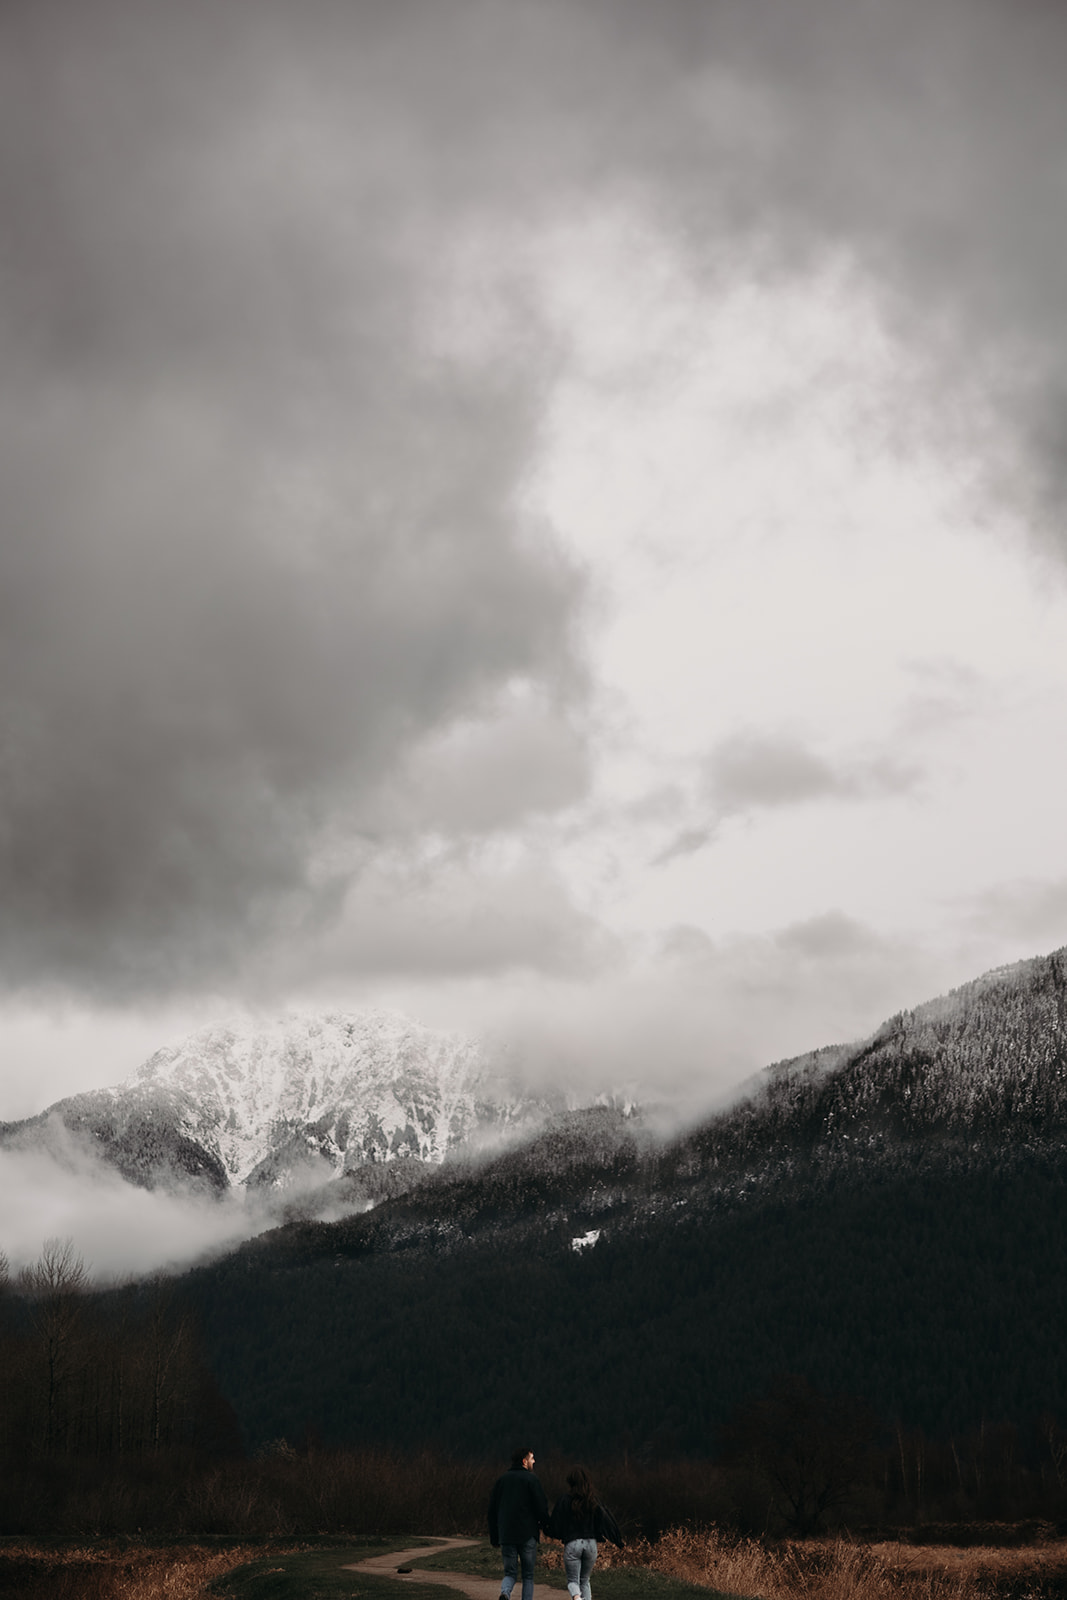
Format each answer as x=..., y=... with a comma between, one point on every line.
x=922, y=138
x=258, y=542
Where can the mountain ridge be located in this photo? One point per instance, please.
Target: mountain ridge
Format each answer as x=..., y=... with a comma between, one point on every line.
x=965, y=1077
x=303, y=1099
x=903, y=1248
x=322, y=1103
x=989, y=1051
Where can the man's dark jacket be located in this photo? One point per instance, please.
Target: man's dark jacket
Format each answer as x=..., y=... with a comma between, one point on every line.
x=518, y=1509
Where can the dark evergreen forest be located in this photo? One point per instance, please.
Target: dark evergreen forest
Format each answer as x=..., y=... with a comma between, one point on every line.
x=931, y=1286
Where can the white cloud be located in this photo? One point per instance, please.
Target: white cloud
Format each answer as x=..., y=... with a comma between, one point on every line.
x=49, y=1052
x=682, y=1018
x=118, y=1229
x=1028, y=913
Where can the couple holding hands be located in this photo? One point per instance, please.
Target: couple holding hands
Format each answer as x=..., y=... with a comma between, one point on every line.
x=518, y=1511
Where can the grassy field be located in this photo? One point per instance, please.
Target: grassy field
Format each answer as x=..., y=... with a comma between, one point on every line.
x=108, y=1569
x=190, y=1568
x=610, y=1582
x=844, y=1569
x=318, y=1575
x=681, y=1566
x=267, y=1570
x=706, y=1562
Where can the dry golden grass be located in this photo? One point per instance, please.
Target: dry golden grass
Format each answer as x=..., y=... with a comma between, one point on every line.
x=828, y=1569
x=841, y=1569
x=177, y=1572
x=1042, y=1565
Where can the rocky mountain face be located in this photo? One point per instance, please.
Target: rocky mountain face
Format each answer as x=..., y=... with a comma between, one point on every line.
x=150, y=1135
x=308, y=1099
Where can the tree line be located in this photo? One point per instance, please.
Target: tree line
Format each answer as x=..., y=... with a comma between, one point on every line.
x=84, y=1375
x=111, y=1421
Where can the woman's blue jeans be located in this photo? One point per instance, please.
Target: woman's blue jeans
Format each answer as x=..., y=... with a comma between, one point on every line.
x=514, y=1555
x=578, y=1558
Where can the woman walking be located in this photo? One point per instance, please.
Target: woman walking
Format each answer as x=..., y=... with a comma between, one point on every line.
x=579, y=1519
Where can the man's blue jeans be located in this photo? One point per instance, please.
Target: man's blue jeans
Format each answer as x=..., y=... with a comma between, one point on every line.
x=514, y=1555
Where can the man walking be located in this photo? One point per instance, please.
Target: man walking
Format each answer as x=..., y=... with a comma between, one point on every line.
x=518, y=1511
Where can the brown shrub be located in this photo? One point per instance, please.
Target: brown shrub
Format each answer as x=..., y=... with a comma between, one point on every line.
x=110, y=1573
x=840, y=1569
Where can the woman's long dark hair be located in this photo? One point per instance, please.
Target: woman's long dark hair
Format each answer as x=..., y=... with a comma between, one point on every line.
x=583, y=1496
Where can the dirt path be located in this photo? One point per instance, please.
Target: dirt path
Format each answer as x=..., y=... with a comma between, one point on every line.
x=385, y=1566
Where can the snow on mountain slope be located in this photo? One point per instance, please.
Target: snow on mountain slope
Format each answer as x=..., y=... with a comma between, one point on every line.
x=343, y=1089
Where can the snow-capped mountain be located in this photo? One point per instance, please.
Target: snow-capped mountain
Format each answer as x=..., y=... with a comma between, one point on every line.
x=310, y=1099
x=306, y=1096
x=345, y=1089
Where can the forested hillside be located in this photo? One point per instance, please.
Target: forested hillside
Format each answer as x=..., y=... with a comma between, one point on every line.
x=935, y=1291
x=888, y=1220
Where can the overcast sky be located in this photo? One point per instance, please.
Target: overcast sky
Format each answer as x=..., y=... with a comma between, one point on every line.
x=545, y=514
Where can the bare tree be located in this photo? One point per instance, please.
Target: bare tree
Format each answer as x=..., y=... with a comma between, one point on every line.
x=809, y=1448
x=1056, y=1439
x=54, y=1286
x=167, y=1349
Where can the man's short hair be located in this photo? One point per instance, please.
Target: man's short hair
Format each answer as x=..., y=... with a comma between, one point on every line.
x=519, y=1456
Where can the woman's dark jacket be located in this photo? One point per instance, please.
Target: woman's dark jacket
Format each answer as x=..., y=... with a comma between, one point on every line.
x=567, y=1523
x=518, y=1509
